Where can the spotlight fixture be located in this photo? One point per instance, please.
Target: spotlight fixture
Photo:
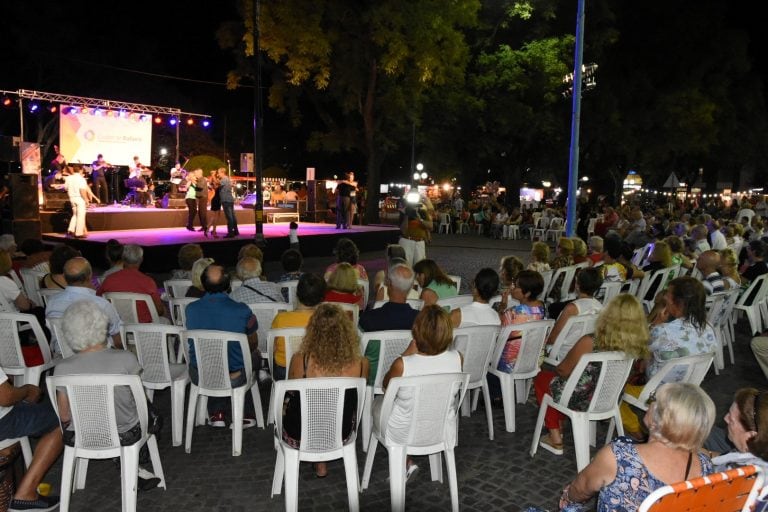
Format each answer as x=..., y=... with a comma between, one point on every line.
x=143, y=117
x=122, y=113
x=52, y=108
x=158, y=119
x=206, y=123
x=33, y=107
x=7, y=101
x=190, y=121
x=173, y=121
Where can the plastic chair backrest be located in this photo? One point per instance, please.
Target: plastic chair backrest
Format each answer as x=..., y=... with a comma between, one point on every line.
x=212, y=356
x=416, y=304
x=54, y=325
x=11, y=356
x=365, y=285
x=152, y=350
x=609, y=291
x=755, y=292
x=178, y=309
x=614, y=370
x=476, y=344
x=291, y=287
x=92, y=406
x=176, y=288
x=547, y=276
x=46, y=293
x=392, y=344
x=654, y=282
x=322, y=410
x=31, y=281
x=353, y=310
x=730, y=491
x=575, y=327
x=532, y=337
x=569, y=274
x=455, y=302
x=715, y=310
x=292, y=337
x=5, y=306
x=126, y=305
x=265, y=313
x=690, y=369
x=436, y=399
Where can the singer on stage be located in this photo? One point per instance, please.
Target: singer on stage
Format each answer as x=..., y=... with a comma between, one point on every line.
x=99, y=180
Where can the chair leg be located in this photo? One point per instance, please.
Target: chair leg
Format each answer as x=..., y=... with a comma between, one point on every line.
x=291, y=458
x=488, y=410
x=191, y=406
x=580, y=427
x=397, y=461
x=67, y=474
x=129, y=469
x=81, y=471
x=615, y=421
x=150, y=394
x=369, y=462
x=26, y=450
x=611, y=428
x=178, y=389
x=202, y=410
x=436, y=467
x=539, y=424
x=353, y=482
x=154, y=455
x=450, y=464
x=366, y=420
x=508, y=401
x=238, y=402
x=277, y=478
x=270, y=411
x=257, y=405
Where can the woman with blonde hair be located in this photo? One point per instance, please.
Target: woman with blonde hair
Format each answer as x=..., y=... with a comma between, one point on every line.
x=679, y=418
x=198, y=267
x=621, y=326
x=343, y=286
x=579, y=250
x=539, y=257
x=729, y=269
x=330, y=348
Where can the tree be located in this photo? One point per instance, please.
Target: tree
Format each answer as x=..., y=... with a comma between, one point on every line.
x=362, y=67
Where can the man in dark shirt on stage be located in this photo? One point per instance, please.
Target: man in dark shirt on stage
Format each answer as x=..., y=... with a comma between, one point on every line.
x=99, y=180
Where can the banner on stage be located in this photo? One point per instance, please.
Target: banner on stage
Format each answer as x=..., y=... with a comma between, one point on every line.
x=117, y=136
x=31, y=164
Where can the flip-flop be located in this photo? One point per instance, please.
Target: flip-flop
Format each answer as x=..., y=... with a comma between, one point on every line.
x=546, y=443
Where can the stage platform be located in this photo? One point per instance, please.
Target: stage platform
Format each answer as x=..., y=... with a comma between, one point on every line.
x=162, y=232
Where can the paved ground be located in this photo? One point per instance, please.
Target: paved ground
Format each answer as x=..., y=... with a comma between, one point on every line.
x=492, y=475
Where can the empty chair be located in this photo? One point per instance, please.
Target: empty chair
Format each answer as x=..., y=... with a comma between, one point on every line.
x=91, y=401
x=477, y=344
x=327, y=430
x=445, y=223
x=156, y=352
x=11, y=354
x=613, y=373
x=430, y=430
x=212, y=358
x=532, y=337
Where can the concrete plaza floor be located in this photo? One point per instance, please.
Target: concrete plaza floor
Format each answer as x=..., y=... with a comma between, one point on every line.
x=492, y=475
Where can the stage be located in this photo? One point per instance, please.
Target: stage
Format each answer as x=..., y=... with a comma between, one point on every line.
x=162, y=232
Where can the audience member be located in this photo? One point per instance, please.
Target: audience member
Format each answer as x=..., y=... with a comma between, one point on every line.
x=755, y=265
x=130, y=279
x=484, y=287
x=729, y=264
x=539, y=257
x=708, y=262
x=343, y=285
x=55, y=278
x=434, y=282
x=188, y=255
x=595, y=253
x=588, y=282
x=217, y=311
x=198, y=267
x=114, y=256
x=346, y=252
x=36, y=255
x=291, y=261
x=254, y=290
x=527, y=288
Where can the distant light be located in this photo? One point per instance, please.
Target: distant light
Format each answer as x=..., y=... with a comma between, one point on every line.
x=424, y=175
x=413, y=197
x=7, y=102
x=190, y=121
x=173, y=121
x=419, y=167
x=33, y=107
x=416, y=176
x=206, y=123
x=122, y=113
x=446, y=186
x=73, y=110
x=546, y=183
x=158, y=119
x=144, y=117
x=163, y=151
x=98, y=112
x=52, y=108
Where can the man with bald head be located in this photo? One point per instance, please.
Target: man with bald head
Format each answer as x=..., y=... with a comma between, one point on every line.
x=254, y=290
x=217, y=311
x=78, y=274
x=708, y=262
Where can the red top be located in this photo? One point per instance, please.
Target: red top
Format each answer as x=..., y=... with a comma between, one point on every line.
x=349, y=298
x=132, y=280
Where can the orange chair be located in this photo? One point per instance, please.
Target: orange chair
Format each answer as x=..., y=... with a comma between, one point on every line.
x=731, y=491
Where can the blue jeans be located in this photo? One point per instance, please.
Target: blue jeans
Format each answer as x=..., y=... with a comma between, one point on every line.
x=223, y=404
x=229, y=214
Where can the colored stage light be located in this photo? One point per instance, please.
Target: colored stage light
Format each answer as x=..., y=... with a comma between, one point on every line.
x=206, y=123
x=173, y=121
x=143, y=117
x=98, y=112
x=73, y=110
x=158, y=119
x=190, y=121
x=7, y=102
x=33, y=107
x=52, y=108
x=123, y=113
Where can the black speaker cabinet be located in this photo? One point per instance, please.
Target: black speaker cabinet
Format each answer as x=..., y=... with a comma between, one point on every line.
x=317, y=200
x=23, y=229
x=24, y=202
x=249, y=201
x=173, y=201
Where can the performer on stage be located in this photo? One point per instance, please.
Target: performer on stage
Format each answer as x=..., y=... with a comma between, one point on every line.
x=135, y=169
x=190, y=198
x=197, y=200
x=178, y=175
x=344, y=190
x=58, y=164
x=228, y=203
x=99, y=180
x=79, y=195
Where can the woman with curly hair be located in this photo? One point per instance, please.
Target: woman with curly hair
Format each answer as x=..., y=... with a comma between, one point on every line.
x=621, y=326
x=330, y=349
x=539, y=257
x=729, y=269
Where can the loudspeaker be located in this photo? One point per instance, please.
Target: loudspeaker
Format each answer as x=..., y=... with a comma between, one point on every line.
x=317, y=201
x=24, y=202
x=23, y=229
x=249, y=201
x=9, y=149
x=173, y=201
x=55, y=201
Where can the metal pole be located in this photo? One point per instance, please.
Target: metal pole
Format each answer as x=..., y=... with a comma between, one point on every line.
x=573, y=166
x=258, y=132
x=177, y=139
x=21, y=118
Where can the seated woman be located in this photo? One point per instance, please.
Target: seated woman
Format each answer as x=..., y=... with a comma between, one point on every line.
x=484, y=287
x=346, y=252
x=623, y=473
x=114, y=256
x=187, y=256
x=14, y=296
x=747, y=433
x=196, y=290
x=55, y=278
x=677, y=247
x=527, y=288
x=428, y=354
x=729, y=269
x=343, y=286
x=539, y=261
x=318, y=358
x=509, y=268
x=588, y=282
x=620, y=326
x=435, y=284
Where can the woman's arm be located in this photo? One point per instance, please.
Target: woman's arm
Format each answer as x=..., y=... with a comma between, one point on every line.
x=456, y=317
x=566, y=366
x=567, y=312
x=428, y=296
x=396, y=370
x=600, y=472
x=296, y=368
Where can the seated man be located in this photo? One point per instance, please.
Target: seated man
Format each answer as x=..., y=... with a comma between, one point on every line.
x=20, y=416
x=708, y=262
x=253, y=289
x=85, y=329
x=216, y=310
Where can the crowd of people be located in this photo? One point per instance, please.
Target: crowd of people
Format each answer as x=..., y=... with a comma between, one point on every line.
x=673, y=440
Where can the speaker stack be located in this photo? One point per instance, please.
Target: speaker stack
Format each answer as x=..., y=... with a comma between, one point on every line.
x=173, y=200
x=25, y=208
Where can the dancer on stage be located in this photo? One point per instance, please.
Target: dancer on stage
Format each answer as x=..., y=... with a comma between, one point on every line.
x=228, y=203
x=197, y=194
x=345, y=189
x=99, y=180
x=79, y=195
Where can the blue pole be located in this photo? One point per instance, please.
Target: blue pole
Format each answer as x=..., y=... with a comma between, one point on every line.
x=573, y=165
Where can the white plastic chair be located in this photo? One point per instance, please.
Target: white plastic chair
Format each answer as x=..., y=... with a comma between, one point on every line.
x=609, y=290
x=155, y=352
x=31, y=281
x=533, y=335
x=322, y=422
x=178, y=309
x=540, y=227
x=555, y=230
x=568, y=274
x=511, y=232
x=575, y=327
x=92, y=406
x=126, y=304
x=614, y=370
x=57, y=337
x=176, y=288
x=366, y=291
x=547, y=276
x=392, y=344
x=26, y=448
x=265, y=313
x=292, y=338
x=651, y=284
x=445, y=223
x=715, y=314
x=212, y=355
x=751, y=305
x=591, y=226
x=455, y=302
x=46, y=293
x=432, y=431
x=477, y=344
x=456, y=279
x=11, y=356
x=291, y=287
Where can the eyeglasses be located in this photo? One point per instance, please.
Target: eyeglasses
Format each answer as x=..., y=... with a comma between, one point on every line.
x=651, y=398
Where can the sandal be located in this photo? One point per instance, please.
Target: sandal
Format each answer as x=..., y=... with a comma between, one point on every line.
x=546, y=443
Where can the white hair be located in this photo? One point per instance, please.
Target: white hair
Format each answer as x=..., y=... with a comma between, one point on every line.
x=248, y=268
x=133, y=254
x=84, y=325
x=401, y=280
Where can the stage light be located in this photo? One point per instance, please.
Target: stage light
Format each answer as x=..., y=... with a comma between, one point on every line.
x=122, y=113
x=73, y=110
x=143, y=117
x=190, y=121
x=33, y=107
x=98, y=112
x=7, y=102
x=52, y=108
x=206, y=123
x=173, y=121
x=85, y=110
x=158, y=119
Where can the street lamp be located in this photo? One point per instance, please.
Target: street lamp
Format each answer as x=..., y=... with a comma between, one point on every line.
x=419, y=167
x=416, y=176
x=424, y=174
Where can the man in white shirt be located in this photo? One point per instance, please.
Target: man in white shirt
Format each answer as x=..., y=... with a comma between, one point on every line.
x=79, y=195
x=716, y=237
